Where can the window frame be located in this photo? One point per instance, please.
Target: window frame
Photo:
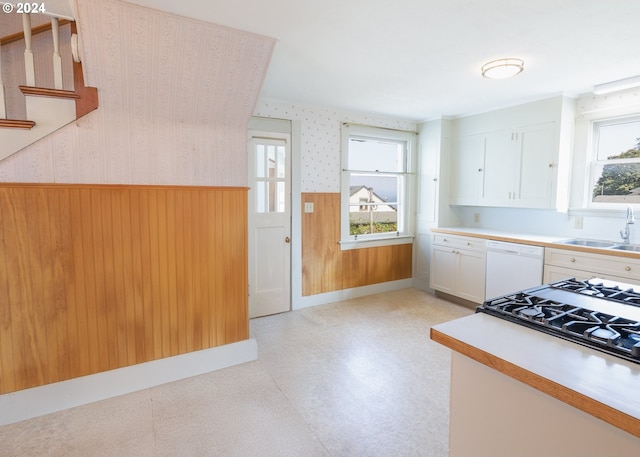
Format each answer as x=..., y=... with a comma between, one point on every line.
x=594, y=163
x=406, y=197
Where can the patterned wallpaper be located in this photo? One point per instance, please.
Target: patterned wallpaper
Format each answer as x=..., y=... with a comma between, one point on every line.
x=320, y=155
x=175, y=98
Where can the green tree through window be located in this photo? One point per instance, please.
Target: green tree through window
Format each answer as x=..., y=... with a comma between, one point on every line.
x=620, y=178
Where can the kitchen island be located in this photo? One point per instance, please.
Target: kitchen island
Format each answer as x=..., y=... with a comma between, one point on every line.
x=519, y=392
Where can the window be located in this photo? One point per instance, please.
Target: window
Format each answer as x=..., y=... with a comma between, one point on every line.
x=270, y=175
x=615, y=168
x=376, y=186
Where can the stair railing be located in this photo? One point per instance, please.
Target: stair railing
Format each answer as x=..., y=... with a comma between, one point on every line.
x=44, y=115
x=30, y=73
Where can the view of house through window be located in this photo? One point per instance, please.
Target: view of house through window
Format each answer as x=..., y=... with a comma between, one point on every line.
x=376, y=175
x=616, y=168
x=270, y=176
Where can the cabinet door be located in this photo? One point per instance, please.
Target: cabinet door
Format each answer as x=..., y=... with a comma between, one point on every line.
x=444, y=269
x=498, y=179
x=471, y=276
x=467, y=169
x=553, y=274
x=536, y=166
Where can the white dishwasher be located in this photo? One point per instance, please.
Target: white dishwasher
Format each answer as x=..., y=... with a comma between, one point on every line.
x=512, y=267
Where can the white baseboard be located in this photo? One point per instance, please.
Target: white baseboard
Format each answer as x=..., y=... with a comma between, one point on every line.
x=345, y=294
x=422, y=285
x=38, y=401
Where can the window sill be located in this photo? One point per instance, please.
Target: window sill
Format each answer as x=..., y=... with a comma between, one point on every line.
x=375, y=242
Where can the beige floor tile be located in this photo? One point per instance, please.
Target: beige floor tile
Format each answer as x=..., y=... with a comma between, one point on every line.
x=358, y=378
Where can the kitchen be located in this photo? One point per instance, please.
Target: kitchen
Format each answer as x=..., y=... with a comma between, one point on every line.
x=319, y=166
x=550, y=219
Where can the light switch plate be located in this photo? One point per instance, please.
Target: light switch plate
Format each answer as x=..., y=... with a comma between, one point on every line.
x=308, y=207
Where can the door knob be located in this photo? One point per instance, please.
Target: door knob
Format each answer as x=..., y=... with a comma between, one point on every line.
x=287, y=239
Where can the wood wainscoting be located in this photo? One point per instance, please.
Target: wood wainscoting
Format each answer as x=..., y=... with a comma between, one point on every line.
x=94, y=278
x=326, y=268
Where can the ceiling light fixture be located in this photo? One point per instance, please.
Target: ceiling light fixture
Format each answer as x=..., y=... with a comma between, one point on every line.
x=615, y=86
x=502, y=68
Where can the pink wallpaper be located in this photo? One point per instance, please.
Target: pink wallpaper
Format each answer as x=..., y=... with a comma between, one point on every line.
x=175, y=98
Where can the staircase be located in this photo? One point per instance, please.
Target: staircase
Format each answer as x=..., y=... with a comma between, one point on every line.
x=47, y=108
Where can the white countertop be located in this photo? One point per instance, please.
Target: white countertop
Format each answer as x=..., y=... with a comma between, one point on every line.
x=499, y=234
x=602, y=385
x=532, y=239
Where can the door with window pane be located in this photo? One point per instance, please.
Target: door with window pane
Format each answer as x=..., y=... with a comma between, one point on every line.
x=269, y=224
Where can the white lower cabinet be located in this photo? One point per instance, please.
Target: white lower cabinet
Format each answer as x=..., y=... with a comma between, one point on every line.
x=563, y=263
x=458, y=266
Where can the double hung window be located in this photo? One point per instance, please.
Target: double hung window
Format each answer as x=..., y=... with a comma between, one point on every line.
x=615, y=168
x=377, y=186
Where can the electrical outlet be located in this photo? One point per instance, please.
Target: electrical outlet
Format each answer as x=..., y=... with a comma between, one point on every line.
x=308, y=207
x=476, y=217
x=577, y=222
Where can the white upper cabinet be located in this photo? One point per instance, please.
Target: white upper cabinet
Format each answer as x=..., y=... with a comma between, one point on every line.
x=467, y=168
x=512, y=157
x=499, y=164
x=535, y=172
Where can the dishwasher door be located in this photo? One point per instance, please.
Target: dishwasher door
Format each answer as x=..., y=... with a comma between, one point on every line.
x=512, y=267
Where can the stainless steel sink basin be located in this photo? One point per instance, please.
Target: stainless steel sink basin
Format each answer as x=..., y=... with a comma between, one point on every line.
x=591, y=243
x=626, y=247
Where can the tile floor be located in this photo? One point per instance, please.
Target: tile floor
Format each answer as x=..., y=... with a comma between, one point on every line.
x=357, y=378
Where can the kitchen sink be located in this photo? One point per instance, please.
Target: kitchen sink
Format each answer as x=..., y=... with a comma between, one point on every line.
x=593, y=243
x=627, y=247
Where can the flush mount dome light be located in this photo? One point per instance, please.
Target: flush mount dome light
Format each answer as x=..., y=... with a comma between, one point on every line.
x=502, y=68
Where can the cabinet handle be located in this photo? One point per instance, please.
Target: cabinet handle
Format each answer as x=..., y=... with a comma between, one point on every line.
x=550, y=165
x=627, y=268
x=573, y=260
x=479, y=169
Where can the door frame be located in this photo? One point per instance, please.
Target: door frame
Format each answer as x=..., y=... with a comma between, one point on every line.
x=293, y=128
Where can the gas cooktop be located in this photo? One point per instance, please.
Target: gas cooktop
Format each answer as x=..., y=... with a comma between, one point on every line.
x=603, y=315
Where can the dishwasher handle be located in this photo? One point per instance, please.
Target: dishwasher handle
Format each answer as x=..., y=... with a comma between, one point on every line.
x=515, y=249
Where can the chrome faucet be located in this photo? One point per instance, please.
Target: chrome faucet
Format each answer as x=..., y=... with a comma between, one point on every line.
x=630, y=220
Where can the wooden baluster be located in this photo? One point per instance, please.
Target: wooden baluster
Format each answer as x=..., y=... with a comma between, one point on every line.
x=28, y=54
x=57, y=59
x=3, y=106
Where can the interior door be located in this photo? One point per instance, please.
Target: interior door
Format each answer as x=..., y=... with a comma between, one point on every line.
x=269, y=223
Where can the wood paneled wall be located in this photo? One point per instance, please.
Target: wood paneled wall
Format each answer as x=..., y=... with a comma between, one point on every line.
x=326, y=268
x=94, y=278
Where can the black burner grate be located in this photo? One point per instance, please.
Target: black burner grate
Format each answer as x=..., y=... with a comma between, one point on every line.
x=589, y=287
x=605, y=332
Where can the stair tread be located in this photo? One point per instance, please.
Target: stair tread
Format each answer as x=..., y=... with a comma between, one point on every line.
x=17, y=123
x=46, y=92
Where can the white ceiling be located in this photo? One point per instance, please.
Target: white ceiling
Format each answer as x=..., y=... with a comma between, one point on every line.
x=420, y=59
